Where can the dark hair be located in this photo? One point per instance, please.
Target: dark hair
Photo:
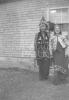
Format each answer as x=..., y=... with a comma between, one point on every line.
x=51, y=26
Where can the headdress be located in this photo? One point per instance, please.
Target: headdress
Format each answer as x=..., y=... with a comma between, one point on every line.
x=43, y=21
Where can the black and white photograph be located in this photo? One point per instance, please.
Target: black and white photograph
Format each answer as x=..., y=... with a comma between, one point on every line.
x=34, y=49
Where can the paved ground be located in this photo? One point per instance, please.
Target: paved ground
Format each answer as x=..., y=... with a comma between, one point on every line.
x=18, y=84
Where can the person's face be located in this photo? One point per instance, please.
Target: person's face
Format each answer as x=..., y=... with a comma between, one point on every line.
x=43, y=27
x=57, y=29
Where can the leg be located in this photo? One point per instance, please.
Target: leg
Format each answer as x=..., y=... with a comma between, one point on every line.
x=41, y=71
x=46, y=68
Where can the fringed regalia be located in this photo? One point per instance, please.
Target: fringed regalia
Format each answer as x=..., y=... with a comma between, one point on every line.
x=43, y=54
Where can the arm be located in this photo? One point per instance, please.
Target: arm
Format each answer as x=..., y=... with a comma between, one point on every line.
x=35, y=44
x=50, y=46
x=66, y=41
x=65, y=38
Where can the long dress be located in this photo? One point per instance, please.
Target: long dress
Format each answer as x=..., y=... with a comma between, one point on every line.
x=60, y=63
x=42, y=55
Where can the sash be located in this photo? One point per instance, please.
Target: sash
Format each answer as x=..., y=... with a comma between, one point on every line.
x=61, y=42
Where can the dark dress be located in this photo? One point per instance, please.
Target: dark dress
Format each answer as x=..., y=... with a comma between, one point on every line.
x=42, y=55
x=60, y=62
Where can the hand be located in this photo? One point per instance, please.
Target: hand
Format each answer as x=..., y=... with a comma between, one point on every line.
x=51, y=56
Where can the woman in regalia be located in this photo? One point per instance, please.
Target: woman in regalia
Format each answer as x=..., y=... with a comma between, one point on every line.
x=58, y=44
x=42, y=50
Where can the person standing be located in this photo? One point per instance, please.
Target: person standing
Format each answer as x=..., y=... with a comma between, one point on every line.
x=58, y=46
x=42, y=50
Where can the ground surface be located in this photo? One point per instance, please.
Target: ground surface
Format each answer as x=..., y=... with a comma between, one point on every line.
x=18, y=84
